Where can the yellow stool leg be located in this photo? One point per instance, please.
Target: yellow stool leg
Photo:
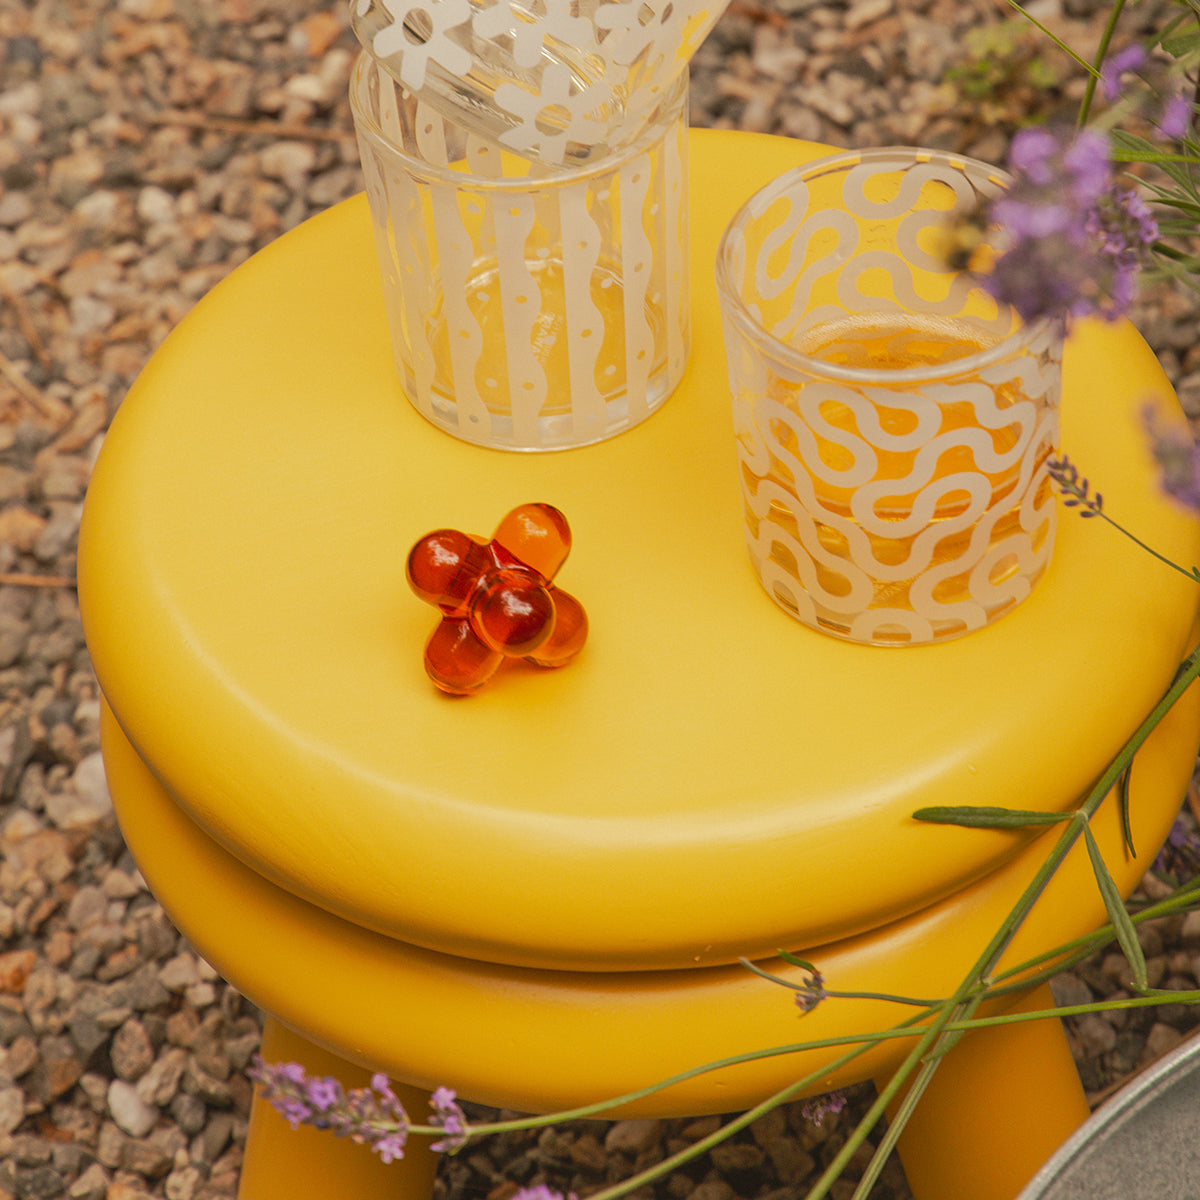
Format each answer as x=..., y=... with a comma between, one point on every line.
x=308, y=1164
x=1001, y=1102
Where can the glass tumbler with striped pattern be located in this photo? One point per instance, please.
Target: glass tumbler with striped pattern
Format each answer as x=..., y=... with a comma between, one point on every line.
x=530, y=308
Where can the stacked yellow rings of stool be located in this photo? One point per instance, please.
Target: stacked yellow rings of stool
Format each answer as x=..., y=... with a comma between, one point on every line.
x=538, y=895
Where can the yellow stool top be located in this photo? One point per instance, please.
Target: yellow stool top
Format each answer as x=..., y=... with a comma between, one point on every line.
x=541, y=1041
x=709, y=778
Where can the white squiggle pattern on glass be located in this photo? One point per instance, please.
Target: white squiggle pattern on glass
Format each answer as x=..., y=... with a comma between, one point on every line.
x=637, y=257
x=520, y=307
x=673, y=237
x=526, y=313
x=893, y=511
x=585, y=323
x=453, y=253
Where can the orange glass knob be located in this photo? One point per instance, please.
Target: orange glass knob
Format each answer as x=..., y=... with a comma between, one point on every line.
x=497, y=598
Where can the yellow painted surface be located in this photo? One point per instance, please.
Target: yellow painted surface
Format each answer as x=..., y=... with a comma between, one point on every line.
x=708, y=779
x=999, y=1105
x=485, y=892
x=537, y=1040
x=282, y=1163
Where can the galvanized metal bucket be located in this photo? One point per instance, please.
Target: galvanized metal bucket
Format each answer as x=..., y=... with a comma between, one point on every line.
x=1143, y=1144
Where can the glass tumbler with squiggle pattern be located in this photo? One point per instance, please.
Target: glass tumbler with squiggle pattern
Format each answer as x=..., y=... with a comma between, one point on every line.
x=893, y=422
x=530, y=308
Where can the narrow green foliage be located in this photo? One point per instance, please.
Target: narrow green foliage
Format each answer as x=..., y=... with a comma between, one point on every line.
x=1131, y=148
x=1123, y=802
x=802, y=963
x=1182, y=45
x=984, y=817
x=1076, y=493
x=1126, y=934
x=1054, y=38
x=1110, y=28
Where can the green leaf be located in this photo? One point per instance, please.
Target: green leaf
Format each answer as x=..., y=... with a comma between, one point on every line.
x=1188, y=208
x=1122, y=137
x=803, y=963
x=1180, y=46
x=1129, y=147
x=1117, y=912
x=1131, y=154
x=984, y=817
x=1185, y=200
x=1170, y=33
x=1123, y=801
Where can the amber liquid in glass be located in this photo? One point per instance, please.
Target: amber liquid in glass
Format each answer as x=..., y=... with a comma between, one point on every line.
x=892, y=342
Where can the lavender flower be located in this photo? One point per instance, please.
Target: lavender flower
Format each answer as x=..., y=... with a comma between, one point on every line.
x=1132, y=58
x=1176, y=117
x=325, y=1093
x=1177, y=457
x=811, y=993
x=449, y=1117
x=1073, y=242
x=370, y=1116
x=1122, y=228
x=541, y=1192
x=1180, y=855
x=1041, y=277
x=1088, y=162
x=1077, y=492
x=390, y=1147
x=1033, y=153
x=819, y=1107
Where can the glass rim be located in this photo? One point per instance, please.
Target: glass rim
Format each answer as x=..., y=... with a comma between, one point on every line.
x=674, y=102
x=734, y=307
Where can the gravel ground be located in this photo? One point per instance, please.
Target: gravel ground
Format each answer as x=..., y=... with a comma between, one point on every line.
x=146, y=148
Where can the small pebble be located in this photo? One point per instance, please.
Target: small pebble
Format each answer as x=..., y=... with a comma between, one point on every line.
x=130, y=1112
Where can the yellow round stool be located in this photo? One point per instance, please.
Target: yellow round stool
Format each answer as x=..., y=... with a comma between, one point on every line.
x=538, y=895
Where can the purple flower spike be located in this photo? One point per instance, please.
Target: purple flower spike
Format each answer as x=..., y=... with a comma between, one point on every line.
x=1088, y=162
x=294, y=1112
x=1131, y=58
x=1032, y=153
x=324, y=1093
x=819, y=1107
x=811, y=993
x=1070, y=243
x=1180, y=855
x=451, y=1118
x=541, y=1192
x=1024, y=219
x=390, y=1148
x=1177, y=456
x=1176, y=117
x=370, y=1116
